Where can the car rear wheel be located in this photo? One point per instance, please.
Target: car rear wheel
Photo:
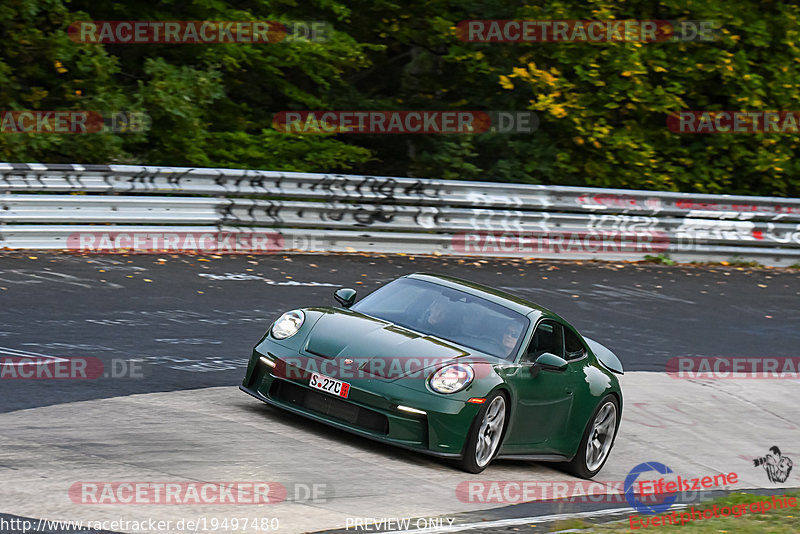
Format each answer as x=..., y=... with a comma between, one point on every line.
x=485, y=436
x=597, y=440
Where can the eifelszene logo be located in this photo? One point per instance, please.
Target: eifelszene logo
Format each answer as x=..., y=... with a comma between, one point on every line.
x=630, y=494
x=775, y=464
x=669, y=488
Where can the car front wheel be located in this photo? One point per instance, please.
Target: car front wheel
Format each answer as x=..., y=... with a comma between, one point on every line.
x=597, y=440
x=486, y=434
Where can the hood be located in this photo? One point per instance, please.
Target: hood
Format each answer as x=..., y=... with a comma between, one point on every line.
x=379, y=348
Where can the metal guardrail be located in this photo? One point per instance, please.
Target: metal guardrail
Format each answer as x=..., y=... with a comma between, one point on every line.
x=50, y=206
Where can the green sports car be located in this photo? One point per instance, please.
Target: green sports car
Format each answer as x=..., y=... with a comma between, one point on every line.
x=449, y=368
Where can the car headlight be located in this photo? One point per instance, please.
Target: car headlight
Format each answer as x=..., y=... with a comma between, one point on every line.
x=288, y=324
x=451, y=378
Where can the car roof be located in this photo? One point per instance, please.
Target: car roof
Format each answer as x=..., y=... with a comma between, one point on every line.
x=518, y=304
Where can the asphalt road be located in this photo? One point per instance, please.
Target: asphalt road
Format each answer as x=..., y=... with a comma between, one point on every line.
x=165, y=323
x=174, y=332
x=51, y=458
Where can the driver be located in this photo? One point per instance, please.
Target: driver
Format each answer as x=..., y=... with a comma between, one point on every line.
x=442, y=319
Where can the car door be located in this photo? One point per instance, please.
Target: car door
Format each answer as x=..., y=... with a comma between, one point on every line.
x=543, y=399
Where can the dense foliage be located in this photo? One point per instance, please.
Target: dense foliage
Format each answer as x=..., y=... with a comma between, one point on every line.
x=602, y=106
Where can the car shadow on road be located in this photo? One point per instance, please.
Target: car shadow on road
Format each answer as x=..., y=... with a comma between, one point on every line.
x=340, y=437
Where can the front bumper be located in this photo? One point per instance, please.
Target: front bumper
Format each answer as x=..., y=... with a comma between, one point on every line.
x=371, y=408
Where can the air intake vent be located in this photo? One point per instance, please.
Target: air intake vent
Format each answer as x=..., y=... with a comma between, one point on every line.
x=330, y=406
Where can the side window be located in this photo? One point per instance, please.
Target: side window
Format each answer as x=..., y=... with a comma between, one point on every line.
x=572, y=346
x=548, y=337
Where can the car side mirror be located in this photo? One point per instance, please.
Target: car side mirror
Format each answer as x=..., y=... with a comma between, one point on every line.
x=345, y=296
x=548, y=361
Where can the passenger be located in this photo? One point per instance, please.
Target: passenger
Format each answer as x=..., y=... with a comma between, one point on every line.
x=510, y=339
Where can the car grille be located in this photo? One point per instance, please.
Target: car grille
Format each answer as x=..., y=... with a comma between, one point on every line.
x=329, y=406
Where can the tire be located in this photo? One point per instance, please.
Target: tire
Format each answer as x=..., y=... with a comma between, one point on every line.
x=604, y=420
x=490, y=423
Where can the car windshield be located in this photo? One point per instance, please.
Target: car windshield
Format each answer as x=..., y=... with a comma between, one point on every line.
x=448, y=314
